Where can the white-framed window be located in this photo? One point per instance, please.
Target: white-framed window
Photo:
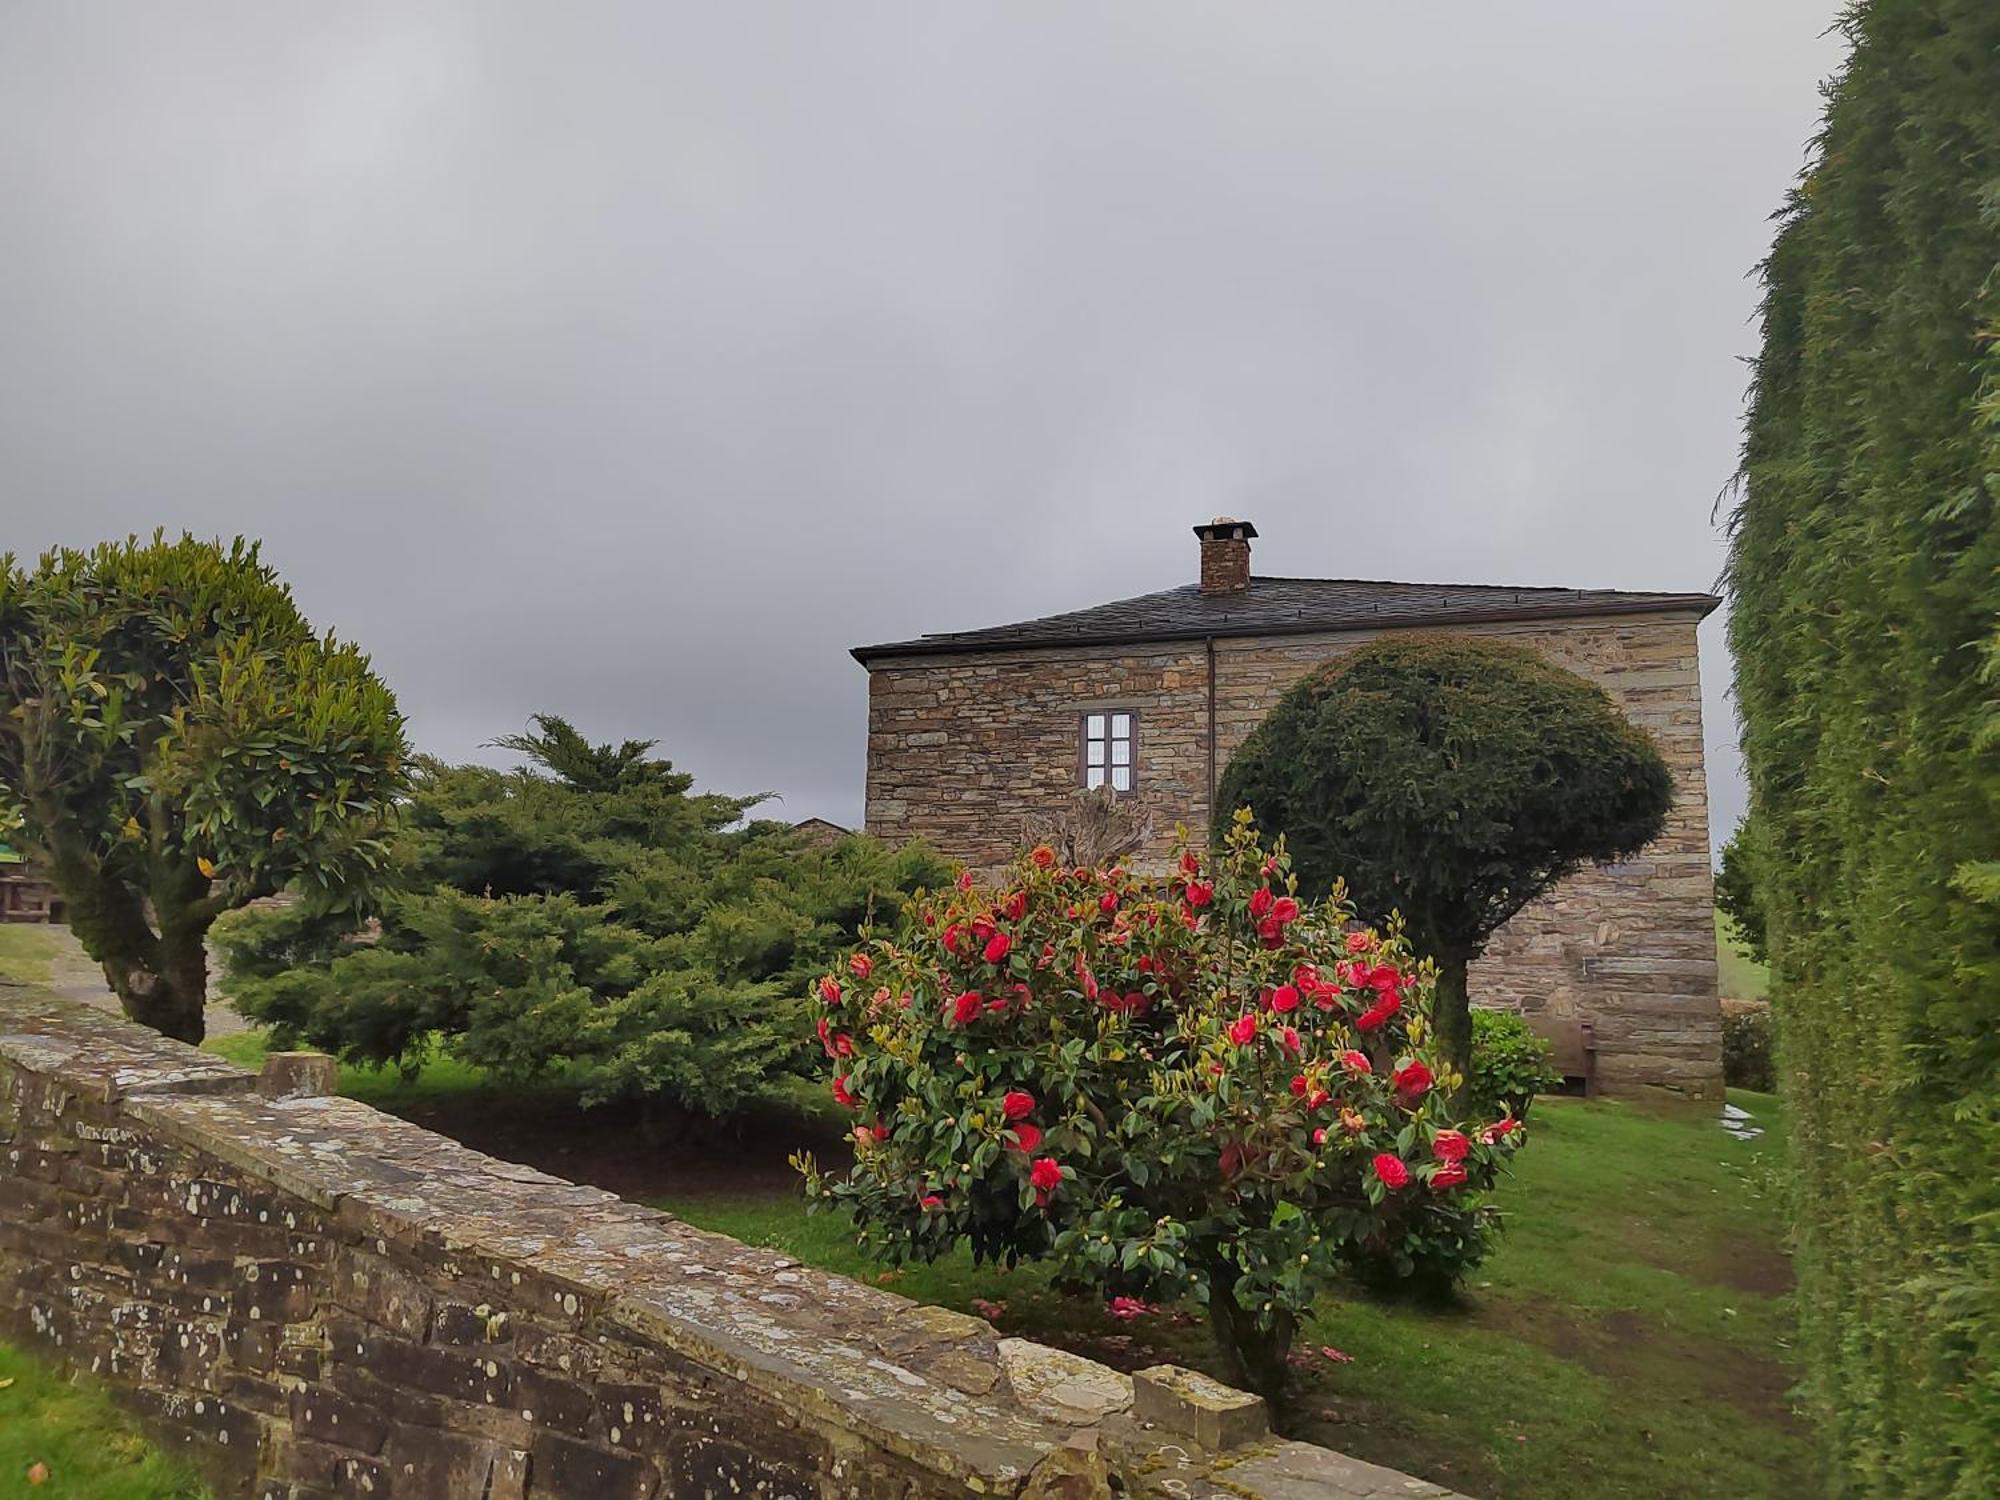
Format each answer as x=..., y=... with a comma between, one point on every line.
x=1110, y=745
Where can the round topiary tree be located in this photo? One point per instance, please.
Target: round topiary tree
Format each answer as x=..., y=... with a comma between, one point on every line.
x=175, y=741
x=1453, y=781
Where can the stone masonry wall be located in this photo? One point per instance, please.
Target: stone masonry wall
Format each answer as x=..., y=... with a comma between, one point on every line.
x=316, y=1300
x=963, y=751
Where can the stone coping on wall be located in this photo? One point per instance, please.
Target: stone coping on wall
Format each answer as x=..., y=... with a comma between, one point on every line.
x=942, y=1392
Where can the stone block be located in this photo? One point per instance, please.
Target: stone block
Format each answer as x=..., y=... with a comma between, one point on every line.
x=1190, y=1403
x=299, y=1075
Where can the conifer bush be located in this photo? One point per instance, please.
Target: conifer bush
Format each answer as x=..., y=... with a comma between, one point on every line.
x=1865, y=580
x=1194, y=1088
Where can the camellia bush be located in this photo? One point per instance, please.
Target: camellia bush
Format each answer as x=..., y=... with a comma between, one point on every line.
x=1186, y=1088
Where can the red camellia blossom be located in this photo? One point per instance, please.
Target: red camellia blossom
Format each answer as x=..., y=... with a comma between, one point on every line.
x=965, y=880
x=1044, y=857
x=861, y=965
x=1357, y=942
x=840, y=1094
x=1261, y=901
x=1377, y=1014
x=1290, y=1038
x=1199, y=893
x=1108, y=902
x=1046, y=1175
x=1412, y=1078
x=1015, y=906
x=997, y=947
x=1319, y=1136
x=1391, y=1171
x=1301, y=1083
x=1284, y=998
x=1190, y=863
x=1355, y=1062
x=1027, y=1136
x=1244, y=1031
x=1285, y=909
x=1018, y=1104
x=1450, y=1145
x=965, y=1007
x=1318, y=1099
x=1451, y=1174
x=1125, y=1309
x=930, y=1203
x=829, y=990
x=1498, y=1131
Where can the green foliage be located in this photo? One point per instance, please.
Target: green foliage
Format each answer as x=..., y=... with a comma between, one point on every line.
x=1863, y=573
x=585, y=911
x=1748, y=1060
x=65, y=1440
x=1736, y=891
x=176, y=741
x=1190, y=1088
x=1451, y=781
x=1510, y=1064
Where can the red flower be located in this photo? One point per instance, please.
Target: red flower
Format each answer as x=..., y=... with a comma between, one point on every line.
x=1108, y=902
x=965, y=880
x=840, y=1094
x=1377, y=1013
x=1451, y=1174
x=1285, y=909
x=1392, y=1171
x=1271, y=932
x=843, y=1045
x=1300, y=1084
x=829, y=990
x=1306, y=977
x=1244, y=1031
x=997, y=946
x=1018, y=1104
x=983, y=928
x=1499, y=1130
x=1190, y=863
x=1319, y=1099
x=1413, y=1078
x=1357, y=942
x=952, y=937
x=1319, y=1136
x=1046, y=1175
x=965, y=1007
x=1290, y=1038
x=1199, y=893
x=1260, y=903
x=1355, y=1062
x=1125, y=1309
x=1015, y=906
x=1284, y=998
x=930, y=1202
x=1027, y=1136
x=861, y=966
x=1450, y=1145
x=1044, y=857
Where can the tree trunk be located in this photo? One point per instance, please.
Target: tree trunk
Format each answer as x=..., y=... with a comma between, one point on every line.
x=1452, y=1021
x=1257, y=1352
x=171, y=995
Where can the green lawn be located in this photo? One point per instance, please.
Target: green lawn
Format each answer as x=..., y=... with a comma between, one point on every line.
x=25, y=951
x=86, y=1447
x=1741, y=977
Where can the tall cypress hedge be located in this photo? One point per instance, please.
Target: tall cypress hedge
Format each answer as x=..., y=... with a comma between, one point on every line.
x=1868, y=678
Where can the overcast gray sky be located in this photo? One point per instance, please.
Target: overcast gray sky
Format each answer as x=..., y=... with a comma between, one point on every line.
x=633, y=361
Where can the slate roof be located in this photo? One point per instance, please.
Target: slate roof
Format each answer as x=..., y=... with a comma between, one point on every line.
x=1289, y=606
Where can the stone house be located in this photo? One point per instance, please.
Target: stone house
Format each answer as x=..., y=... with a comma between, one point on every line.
x=974, y=734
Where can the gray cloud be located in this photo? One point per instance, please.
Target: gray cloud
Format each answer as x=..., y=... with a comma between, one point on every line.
x=634, y=361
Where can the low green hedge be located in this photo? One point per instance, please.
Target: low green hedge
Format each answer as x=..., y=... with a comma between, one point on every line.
x=1510, y=1064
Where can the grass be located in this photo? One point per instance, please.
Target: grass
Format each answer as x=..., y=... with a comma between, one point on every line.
x=85, y=1446
x=1739, y=977
x=26, y=952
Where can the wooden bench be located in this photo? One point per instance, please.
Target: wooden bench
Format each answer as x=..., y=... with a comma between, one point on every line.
x=1574, y=1046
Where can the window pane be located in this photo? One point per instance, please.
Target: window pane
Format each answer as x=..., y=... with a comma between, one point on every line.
x=1093, y=727
x=1094, y=777
x=1121, y=752
x=1121, y=726
x=1121, y=778
x=1093, y=753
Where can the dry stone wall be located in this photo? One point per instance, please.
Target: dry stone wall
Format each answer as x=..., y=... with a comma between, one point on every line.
x=965, y=751
x=316, y=1300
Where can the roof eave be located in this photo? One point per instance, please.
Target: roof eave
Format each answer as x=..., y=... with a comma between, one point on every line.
x=1699, y=605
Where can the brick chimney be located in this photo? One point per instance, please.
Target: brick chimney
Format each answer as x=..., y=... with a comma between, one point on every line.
x=1225, y=555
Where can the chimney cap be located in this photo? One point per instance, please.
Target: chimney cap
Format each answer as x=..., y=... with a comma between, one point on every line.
x=1225, y=528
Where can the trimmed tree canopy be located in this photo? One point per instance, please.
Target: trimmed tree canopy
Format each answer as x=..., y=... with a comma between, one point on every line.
x=1452, y=780
x=176, y=741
